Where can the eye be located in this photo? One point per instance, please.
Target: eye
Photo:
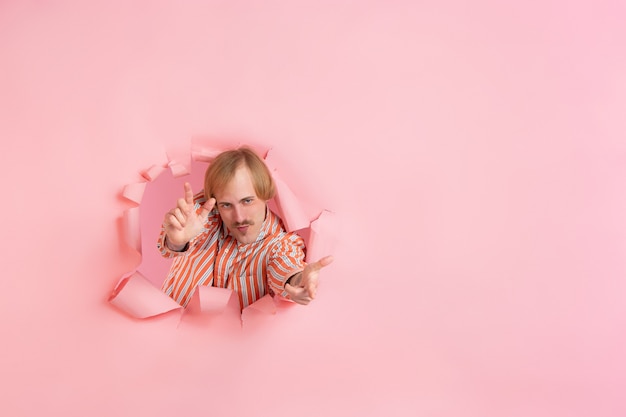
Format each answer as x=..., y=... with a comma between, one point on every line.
x=224, y=205
x=247, y=201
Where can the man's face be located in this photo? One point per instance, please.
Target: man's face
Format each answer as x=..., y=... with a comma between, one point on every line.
x=241, y=210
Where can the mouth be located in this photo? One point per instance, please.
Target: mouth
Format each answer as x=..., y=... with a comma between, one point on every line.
x=242, y=229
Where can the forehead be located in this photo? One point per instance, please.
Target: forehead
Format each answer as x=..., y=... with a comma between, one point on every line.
x=239, y=186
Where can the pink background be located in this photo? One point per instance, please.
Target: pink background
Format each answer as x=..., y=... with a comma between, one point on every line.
x=474, y=151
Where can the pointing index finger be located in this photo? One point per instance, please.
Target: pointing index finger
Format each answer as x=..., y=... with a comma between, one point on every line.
x=325, y=261
x=188, y=194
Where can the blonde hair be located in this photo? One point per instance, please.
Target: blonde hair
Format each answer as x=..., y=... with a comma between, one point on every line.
x=223, y=168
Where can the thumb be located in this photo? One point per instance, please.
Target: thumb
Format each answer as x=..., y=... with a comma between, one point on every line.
x=207, y=207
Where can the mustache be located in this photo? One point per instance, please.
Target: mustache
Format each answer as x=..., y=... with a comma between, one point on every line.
x=244, y=223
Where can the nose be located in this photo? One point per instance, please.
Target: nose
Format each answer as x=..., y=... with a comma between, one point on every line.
x=238, y=214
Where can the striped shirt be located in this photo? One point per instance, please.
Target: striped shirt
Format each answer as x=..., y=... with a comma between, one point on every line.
x=215, y=258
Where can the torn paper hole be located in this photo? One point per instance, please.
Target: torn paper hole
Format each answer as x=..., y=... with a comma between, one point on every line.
x=138, y=292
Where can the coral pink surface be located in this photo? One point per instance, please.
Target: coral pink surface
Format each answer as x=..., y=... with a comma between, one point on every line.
x=473, y=152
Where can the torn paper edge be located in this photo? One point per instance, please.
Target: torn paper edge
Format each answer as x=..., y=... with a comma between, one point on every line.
x=135, y=295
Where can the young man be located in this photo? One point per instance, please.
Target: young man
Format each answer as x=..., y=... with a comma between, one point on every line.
x=226, y=236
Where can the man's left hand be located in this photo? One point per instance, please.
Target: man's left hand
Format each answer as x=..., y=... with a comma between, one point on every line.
x=303, y=286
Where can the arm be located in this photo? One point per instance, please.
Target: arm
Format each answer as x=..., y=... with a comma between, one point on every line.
x=289, y=276
x=286, y=259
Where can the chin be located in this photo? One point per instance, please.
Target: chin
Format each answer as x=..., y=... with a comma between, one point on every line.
x=244, y=239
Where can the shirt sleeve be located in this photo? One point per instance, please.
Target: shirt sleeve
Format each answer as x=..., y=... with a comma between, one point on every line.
x=286, y=259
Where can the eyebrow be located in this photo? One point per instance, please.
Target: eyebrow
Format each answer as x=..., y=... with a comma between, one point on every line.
x=251, y=197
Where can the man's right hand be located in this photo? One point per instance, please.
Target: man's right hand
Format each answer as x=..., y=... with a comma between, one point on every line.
x=182, y=223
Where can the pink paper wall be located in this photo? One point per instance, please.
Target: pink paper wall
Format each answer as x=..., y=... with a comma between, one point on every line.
x=474, y=152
